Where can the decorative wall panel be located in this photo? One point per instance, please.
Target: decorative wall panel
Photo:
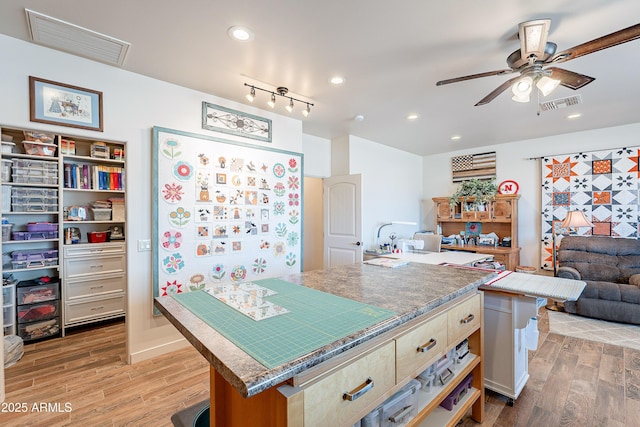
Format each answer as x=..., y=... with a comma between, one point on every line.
x=478, y=166
x=224, y=212
x=602, y=184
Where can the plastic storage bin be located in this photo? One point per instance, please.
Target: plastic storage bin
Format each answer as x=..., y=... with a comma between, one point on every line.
x=37, y=291
x=35, y=148
x=8, y=147
x=6, y=232
x=34, y=259
x=47, y=138
x=34, y=235
x=37, y=312
x=396, y=410
x=6, y=170
x=101, y=214
x=42, y=226
x=457, y=394
x=98, y=236
x=6, y=198
x=8, y=315
x=37, y=330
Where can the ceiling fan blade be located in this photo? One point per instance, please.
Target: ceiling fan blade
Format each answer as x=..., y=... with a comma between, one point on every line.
x=497, y=91
x=622, y=36
x=533, y=37
x=569, y=78
x=474, y=76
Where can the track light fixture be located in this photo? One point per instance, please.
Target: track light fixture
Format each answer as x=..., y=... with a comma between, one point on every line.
x=280, y=91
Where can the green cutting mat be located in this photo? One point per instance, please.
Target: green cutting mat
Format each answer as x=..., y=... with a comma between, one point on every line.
x=315, y=320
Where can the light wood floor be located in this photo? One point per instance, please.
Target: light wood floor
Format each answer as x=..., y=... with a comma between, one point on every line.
x=573, y=383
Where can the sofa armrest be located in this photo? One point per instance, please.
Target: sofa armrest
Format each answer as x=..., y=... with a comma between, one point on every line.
x=568, y=273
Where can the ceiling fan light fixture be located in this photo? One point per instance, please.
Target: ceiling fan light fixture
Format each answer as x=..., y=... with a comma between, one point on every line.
x=521, y=89
x=546, y=85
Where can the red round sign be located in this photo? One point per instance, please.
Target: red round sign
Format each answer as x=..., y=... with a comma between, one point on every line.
x=508, y=187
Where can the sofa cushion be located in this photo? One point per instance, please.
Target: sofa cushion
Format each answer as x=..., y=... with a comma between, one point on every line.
x=611, y=292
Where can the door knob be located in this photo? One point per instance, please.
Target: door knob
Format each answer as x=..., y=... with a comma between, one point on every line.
x=357, y=243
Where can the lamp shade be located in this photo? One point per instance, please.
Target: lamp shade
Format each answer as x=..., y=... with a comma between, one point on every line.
x=576, y=219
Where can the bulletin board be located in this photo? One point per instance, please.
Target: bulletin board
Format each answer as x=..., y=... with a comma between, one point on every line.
x=223, y=212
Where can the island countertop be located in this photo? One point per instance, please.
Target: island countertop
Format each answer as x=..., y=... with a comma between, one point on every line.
x=410, y=291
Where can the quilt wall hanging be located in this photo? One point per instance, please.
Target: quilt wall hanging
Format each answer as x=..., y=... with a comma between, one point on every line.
x=224, y=212
x=602, y=184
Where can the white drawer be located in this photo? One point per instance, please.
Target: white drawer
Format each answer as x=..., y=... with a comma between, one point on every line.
x=324, y=401
x=421, y=346
x=90, y=266
x=95, y=286
x=78, y=312
x=94, y=249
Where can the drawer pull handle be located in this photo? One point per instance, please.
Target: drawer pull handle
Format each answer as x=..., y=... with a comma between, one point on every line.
x=445, y=378
x=97, y=308
x=399, y=416
x=467, y=319
x=428, y=346
x=359, y=391
x=96, y=266
x=97, y=287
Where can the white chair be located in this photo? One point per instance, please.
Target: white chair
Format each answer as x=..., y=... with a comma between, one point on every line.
x=432, y=242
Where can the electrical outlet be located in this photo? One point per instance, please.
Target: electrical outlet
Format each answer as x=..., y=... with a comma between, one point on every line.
x=144, y=245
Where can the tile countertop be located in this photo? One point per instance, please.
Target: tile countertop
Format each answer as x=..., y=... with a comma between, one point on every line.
x=410, y=291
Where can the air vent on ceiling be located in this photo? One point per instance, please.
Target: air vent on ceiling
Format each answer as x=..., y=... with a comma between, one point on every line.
x=70, y=38
x=561, y=103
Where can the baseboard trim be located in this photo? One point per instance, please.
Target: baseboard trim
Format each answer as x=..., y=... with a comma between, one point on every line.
x=158, y=351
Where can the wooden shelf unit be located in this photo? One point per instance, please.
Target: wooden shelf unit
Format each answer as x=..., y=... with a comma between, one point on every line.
x=500, y=217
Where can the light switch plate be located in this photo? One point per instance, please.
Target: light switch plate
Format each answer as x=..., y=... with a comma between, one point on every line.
x=144, y=245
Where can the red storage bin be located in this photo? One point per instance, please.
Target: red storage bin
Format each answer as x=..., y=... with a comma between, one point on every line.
x=98, y=236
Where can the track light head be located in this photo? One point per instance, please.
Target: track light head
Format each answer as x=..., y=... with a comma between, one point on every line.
x=289, y=107
x=272, y=102
x=251, y=95
x=306, y=111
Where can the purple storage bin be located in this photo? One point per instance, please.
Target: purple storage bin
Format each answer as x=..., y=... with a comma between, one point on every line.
x=457, y=394
x=34, y=235
x=34, y=255
x=42, y=226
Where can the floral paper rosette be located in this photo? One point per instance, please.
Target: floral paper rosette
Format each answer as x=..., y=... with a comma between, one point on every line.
x=238, y=273
x=173, y=263
x=171, y=240
x=217, y=272
x=259, y=266
x=279, y=189
x=182, y=171
x=293, y=165
x=171, y=288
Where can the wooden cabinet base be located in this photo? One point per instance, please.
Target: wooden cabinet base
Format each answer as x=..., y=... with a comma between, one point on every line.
x=270, y=408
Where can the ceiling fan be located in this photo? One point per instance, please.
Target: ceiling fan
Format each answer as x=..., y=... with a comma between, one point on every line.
x=535, y=56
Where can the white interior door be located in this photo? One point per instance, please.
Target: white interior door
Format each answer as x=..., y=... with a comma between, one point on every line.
x=342, y=220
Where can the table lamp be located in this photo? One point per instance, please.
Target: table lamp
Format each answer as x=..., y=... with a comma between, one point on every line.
x=573, y=221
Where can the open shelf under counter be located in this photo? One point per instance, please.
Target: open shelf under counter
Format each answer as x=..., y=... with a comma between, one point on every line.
x=437, y=416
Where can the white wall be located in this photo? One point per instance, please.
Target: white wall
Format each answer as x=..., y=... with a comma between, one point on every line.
x=133, y=104
x=391, y=188
x=513, y=163
x=317, y=156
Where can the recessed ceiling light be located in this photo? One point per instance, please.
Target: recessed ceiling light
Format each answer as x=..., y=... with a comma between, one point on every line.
x=337, y=80
x=456, y=138
x=413, y=116
x=574, y=116
x=242, y=34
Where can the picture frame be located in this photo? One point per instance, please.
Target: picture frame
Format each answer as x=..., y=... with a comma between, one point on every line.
x=233, y=122
x=487, y=241
x=65, y=105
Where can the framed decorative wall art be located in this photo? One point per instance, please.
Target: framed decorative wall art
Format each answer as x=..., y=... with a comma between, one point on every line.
x=226, y=120
x=224, y=212
x=604, y=185
x=65, y=105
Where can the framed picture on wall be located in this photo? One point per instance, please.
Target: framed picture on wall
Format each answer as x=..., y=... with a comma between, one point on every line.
x=65, y=105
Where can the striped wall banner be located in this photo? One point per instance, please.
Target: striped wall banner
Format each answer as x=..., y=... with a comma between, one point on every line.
x=474, y=166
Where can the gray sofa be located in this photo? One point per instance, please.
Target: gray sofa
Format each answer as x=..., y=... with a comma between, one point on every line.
x=611, y=268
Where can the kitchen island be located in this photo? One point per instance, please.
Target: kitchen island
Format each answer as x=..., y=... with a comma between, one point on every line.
x=426, y=300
